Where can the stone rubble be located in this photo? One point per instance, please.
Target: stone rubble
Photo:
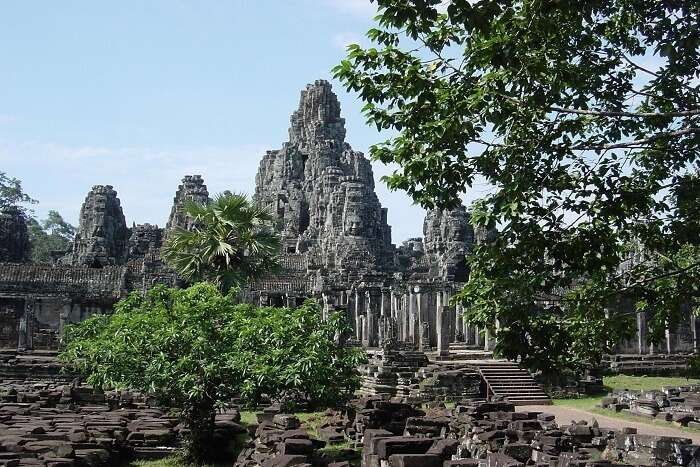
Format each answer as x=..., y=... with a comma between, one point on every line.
x=403, y=372
x=54, y=424
x=680, y=405
x=385, y=433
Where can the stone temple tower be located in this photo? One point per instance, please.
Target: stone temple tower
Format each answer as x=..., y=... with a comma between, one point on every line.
x=14, y=237
x=192, y=188
x=102, y=232
x=321, y=191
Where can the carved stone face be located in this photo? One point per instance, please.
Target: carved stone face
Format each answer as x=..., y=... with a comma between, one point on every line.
x=354, y=211
x=353, y=224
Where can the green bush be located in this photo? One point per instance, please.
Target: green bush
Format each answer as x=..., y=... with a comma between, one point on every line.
x=195, y=349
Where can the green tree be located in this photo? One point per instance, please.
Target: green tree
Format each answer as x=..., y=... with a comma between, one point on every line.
x=583, y=118
x=231, y=242
x=52, y=234
x=12, y=194
x=196, y=349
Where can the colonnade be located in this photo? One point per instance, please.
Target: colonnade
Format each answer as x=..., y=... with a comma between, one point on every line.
x=420, y=314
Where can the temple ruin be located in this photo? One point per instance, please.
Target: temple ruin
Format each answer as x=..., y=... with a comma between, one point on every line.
x=337, y=249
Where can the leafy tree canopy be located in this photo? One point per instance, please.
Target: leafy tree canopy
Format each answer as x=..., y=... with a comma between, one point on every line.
x=196, y=349
x=231, y=242
x=51, y=234
x=583, y=117
x=12, y=194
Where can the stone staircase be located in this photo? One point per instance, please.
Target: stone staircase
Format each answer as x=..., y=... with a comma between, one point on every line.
x=462, y=351
x=513, y=383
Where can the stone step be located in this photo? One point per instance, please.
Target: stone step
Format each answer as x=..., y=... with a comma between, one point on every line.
x=532, y=401
x=514, y=386
x=514, y=383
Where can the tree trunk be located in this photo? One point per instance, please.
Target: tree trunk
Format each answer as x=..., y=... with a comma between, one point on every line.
x=200, y=422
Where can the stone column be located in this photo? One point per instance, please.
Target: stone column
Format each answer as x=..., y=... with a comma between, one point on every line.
x=326, y=310
x=421, y=322
x=487, y=340
x=26, y=323
x=443, y=327
x=64, y=317
x=371, y=320
x=358, y=326
x=385, y=311
x=363, y=329
x=642, y=332
x=401, y=310
x=412, y=318
x=459, y=325
x=350, y=311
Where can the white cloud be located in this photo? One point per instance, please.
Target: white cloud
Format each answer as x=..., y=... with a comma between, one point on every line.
x=7, y=119
x=343, y=39
x=60, y=176
x=360, y=8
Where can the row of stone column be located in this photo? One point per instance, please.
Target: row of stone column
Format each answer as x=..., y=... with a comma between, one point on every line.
x=56, y=312
x=421, y=315
x=684, y=338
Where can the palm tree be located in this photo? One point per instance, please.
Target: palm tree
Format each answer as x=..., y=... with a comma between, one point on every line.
x=232, y=241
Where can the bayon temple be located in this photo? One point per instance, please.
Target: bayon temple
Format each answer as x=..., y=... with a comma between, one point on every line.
x=337, y=249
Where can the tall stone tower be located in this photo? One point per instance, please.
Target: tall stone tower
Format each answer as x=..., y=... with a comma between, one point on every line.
x=448, y=238
x=321, y=191
x=14, y=237
x=191, y=189
x=102, y=232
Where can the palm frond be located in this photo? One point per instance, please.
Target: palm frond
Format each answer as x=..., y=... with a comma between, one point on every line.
x=233, y=242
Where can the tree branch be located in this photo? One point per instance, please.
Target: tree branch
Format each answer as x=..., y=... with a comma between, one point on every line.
x=638, y=142
x=600, y=113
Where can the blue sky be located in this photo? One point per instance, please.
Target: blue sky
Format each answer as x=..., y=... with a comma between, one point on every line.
x=137, y=94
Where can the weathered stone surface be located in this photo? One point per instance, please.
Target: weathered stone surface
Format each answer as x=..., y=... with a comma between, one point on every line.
x=102, y=232
x=55, y=424
x=448, y=238
x=14, y=238
x=192, y=189
x=321, y=191
x=145, y=239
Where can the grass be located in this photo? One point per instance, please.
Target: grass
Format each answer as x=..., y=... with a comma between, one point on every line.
x=645, y=383
x=248, y=418
x=172, y=461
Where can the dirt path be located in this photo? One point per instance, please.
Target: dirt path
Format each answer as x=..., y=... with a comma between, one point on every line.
x=565, y=415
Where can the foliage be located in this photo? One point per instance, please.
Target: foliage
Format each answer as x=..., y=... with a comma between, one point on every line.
x=295, y=354
x=693, y=370
x=231, y=241
x=12, y=194
x=583, y=118
x=196, y=349
x=644, y=383
x=51, y=234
